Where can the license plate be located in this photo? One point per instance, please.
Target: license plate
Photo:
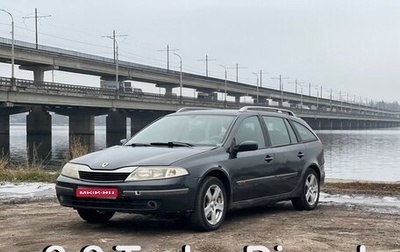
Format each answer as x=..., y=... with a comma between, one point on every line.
x=92, y=192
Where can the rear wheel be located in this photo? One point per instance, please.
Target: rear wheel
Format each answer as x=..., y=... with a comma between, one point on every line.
x=95, y=216
x=309, y=197
x=210, y=206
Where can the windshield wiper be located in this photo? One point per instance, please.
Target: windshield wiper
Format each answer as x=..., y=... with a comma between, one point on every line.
x=139, y=144
x=172, y=144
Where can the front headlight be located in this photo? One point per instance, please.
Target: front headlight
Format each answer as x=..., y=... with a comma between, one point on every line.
x=156, y=172
x=71, y=170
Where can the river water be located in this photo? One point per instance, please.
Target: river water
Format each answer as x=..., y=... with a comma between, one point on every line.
x=349, y=154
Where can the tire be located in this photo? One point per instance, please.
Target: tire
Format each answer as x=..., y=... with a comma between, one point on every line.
x=309, y=193
x=210, y=205
x=95, y=216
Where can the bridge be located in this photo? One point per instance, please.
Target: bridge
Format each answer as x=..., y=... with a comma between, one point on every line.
x=81, y=103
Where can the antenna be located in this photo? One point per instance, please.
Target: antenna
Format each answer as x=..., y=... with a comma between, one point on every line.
x=36, y=17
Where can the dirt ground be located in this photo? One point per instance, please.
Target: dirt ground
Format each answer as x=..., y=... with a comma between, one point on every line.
x=32, y=226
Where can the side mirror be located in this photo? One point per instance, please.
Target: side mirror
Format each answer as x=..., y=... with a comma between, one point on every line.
x=244, y=146
x=123, y=141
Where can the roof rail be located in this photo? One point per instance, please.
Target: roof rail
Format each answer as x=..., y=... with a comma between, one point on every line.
x=184, y=109
x=273, y=109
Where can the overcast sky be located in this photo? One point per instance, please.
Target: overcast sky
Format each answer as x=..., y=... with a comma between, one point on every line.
x=351, y=46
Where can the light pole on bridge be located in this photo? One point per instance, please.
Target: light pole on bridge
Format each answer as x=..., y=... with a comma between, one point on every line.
x=180, y=77
x=280, y=78
x=226, y=77
x=113, y=37
x=12, y=48
x=256, y=74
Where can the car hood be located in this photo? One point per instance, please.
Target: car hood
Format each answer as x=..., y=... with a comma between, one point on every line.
x=122, y=156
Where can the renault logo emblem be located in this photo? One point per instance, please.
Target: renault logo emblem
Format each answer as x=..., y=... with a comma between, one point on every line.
x=104, y=164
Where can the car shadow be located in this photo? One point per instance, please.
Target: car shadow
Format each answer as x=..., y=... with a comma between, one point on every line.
x=130, y=223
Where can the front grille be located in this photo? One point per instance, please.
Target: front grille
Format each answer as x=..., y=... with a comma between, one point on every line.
x=119, y=204
x=103, y=176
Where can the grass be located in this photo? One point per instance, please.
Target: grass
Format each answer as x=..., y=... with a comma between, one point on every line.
x=33, y=170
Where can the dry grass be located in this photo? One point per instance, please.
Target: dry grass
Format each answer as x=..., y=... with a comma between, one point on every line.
x=30, y=175
x=32, y=170
x=4, y=161
x=76, y=149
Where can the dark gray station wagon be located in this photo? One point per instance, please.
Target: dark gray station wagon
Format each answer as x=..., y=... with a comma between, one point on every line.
x=199, y=163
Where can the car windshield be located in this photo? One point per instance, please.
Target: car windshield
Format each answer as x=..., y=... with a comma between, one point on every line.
x=188, y=129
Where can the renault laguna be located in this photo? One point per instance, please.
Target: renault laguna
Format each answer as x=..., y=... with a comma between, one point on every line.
x=199, y=163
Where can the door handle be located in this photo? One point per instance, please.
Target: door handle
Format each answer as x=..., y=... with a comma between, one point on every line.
x=300, y=154
x=269, y=158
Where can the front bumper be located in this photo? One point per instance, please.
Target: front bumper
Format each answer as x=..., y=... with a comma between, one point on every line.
x=174, y=195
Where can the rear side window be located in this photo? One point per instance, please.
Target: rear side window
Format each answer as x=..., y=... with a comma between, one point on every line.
x=277, y=131
x=292, y=135
x=305, y=134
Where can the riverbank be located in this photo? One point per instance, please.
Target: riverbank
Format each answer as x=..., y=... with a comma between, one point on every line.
x=343, y=186
x=32, y=226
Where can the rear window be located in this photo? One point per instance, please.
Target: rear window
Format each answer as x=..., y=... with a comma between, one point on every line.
x=306, y=135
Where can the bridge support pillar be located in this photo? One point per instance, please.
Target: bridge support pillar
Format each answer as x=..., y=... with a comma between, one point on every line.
x=168, y=91
x=81, y=130
x=38, y=76
x=38, y=133
x=4, y=134
x=115, y=128
x=237, y=98
x=38, y=72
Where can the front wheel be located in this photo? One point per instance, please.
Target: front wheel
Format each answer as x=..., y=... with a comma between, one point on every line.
x=210, y=205
x=309, y=197
x=95, y=216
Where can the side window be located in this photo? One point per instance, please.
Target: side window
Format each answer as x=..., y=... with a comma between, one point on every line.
x=305, y=134
x=292, y=135
x=250, y=129
x=277, y=131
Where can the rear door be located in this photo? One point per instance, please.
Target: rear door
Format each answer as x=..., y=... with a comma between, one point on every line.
x=288, y=152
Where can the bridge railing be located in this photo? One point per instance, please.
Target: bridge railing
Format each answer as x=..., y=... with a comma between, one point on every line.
x=22, y=85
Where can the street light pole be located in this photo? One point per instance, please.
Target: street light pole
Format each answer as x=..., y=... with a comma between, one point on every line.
x=301, y=97
x=12, y=47
x=113, y=37
x=256, y=74
x=180, y=77
x=316, y=87
x=296, y=83
x=281, y=86
x=116, y=68
x=226, y=77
